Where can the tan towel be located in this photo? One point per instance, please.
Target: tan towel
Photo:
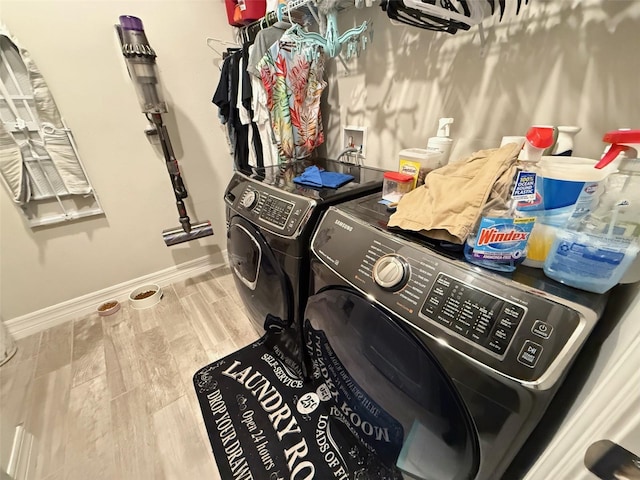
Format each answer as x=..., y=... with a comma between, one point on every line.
x=450, y=202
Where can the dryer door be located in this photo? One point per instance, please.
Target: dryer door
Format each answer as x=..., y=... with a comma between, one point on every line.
x=388, y=388
x=261, y=282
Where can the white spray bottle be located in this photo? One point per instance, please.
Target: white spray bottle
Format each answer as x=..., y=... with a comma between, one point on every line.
x=442, y=143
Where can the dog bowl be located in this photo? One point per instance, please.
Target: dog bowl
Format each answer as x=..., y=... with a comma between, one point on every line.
x=145, y=296
x=108, y=308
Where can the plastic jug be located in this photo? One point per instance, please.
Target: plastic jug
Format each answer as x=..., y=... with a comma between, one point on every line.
x=562, y=185
x=597, y=247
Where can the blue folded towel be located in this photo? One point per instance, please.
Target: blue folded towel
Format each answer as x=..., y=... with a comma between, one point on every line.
x=335, y=179
x=310, y=176
x=313, y=177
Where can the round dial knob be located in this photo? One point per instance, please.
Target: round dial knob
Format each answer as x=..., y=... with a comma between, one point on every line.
x=391, y=272
x=249, y=199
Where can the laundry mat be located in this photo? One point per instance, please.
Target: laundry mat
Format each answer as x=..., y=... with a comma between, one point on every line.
x=266, y=423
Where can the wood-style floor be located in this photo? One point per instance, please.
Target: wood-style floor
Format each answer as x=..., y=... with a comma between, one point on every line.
x=112, y=397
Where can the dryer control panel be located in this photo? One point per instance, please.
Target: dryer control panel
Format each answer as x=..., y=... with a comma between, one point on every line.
x=517, y=331
x=270, y=208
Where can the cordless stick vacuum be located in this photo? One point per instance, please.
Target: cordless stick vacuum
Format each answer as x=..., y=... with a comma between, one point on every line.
x=141, y=63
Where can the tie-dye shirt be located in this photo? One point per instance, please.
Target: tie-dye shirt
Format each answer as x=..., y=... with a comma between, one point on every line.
x=293, y=82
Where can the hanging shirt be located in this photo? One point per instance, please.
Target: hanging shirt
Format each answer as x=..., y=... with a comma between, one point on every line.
x=264, y=40
x=221, y=100
x=226, y=97
x=243, y=113
x=293, y=82
x=262, y=43
x=262, y=120
x=243, y=135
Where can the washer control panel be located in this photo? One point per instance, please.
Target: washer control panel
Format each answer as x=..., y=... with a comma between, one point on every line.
x=479, y=316
x=500, y=323
x=269, y=207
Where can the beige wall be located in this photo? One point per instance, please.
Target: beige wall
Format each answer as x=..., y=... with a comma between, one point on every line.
x=559, y=63
x=74, y=45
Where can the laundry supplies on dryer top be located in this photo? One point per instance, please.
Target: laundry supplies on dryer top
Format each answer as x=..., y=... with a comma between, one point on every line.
x=270, y=219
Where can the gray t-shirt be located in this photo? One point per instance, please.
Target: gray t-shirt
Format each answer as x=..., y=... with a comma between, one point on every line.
x=264, y=39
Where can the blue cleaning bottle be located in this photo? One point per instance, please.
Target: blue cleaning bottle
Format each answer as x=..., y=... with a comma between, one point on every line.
x=499, y=241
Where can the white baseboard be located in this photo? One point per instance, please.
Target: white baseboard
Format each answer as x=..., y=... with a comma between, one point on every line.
x=39, y=320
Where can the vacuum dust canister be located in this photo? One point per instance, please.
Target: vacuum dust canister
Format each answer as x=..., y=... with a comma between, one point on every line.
x=141, y=64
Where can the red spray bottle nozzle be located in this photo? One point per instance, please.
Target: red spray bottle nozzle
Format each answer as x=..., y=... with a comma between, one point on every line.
x=620, y=141
x=540, y=137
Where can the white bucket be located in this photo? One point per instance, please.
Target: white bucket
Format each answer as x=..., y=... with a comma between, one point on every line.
x=560, y=182
x=561, y=179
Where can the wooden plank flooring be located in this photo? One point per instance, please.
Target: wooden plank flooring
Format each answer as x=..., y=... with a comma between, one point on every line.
x=112, y=398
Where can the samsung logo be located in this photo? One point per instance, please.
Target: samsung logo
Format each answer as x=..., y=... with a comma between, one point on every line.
x=347, y=227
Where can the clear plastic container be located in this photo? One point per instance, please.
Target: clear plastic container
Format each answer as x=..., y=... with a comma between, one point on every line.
x=396, y=185
x=418, y=162
x=590, y=262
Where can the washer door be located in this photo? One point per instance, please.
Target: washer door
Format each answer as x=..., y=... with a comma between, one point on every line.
x=261, y=282
x=388, y=388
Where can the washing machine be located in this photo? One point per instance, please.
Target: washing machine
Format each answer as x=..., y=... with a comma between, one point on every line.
x=440, y=368
x=270, y=219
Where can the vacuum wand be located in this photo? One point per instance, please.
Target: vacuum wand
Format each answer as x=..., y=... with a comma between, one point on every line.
x=188, y=231
x=141, y=62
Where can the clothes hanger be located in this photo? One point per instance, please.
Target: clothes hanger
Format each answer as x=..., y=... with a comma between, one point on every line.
x=211, y=41
x=332, y=41
x=289, y=13
x=213, y=48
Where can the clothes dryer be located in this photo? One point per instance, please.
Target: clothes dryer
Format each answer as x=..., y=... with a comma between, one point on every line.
x=270, y=219
x=461, y=363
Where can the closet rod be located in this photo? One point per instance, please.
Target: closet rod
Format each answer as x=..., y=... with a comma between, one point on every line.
x=294, y=4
